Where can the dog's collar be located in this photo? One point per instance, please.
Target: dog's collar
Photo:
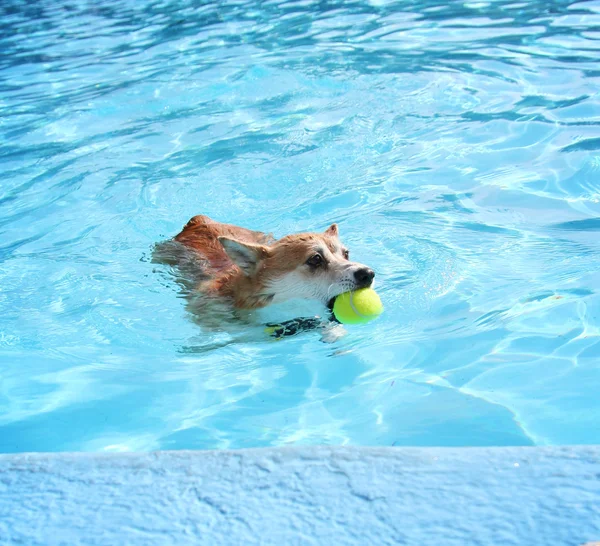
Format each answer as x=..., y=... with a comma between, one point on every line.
x=332, y=317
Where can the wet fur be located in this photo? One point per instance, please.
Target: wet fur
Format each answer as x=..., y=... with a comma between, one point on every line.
x=247, y=269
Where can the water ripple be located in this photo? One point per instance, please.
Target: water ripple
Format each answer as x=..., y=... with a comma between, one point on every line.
x=455, y=143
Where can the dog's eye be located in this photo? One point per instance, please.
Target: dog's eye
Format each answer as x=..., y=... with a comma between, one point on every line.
x=346, y=254
x=315, y=261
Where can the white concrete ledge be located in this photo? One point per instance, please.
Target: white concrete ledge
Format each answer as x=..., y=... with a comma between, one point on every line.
x=329, y=496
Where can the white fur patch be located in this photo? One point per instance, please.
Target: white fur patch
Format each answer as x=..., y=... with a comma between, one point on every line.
x=320, y=287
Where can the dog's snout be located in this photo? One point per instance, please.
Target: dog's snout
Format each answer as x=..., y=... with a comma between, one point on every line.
x=364, y=276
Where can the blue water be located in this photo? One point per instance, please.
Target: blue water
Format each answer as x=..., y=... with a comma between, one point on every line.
x=456, y=144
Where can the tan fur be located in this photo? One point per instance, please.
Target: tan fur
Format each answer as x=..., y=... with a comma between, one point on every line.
x=252, y=269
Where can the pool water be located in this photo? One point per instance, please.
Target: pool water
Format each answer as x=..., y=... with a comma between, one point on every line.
x=456, y=144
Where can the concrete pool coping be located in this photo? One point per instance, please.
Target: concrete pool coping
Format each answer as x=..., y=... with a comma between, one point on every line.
x=304, y=495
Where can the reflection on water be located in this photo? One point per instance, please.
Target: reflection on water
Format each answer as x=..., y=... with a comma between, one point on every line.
x=456, y=144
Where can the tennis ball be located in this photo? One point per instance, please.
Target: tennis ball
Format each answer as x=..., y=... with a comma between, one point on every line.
x=357, y=307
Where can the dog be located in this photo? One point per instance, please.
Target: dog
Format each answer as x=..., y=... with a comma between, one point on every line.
x=248, y=270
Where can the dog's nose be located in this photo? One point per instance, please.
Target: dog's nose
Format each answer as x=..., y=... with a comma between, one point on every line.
x=364, y=276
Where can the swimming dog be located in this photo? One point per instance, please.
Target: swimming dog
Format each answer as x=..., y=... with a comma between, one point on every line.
x=250, y=270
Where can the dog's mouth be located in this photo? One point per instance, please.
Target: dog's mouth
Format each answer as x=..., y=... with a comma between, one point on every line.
x=329, y=303
x=349, y=286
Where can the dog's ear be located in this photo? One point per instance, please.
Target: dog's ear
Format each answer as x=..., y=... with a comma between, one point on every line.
x=332, y=230
x=246, y=256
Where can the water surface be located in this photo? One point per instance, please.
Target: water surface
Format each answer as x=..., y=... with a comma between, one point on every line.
x=456, y=144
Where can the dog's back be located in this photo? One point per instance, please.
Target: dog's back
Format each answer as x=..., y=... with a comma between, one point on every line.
x=201, y=234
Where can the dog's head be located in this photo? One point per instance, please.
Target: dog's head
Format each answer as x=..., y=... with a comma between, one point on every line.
x=307, y=265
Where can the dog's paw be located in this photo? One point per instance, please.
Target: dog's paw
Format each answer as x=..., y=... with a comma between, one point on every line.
x=332, y=333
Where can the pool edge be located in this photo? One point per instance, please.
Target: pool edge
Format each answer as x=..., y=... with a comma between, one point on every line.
x=304, y=495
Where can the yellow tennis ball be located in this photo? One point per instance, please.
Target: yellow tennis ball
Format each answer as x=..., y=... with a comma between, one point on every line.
x=357, y=307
